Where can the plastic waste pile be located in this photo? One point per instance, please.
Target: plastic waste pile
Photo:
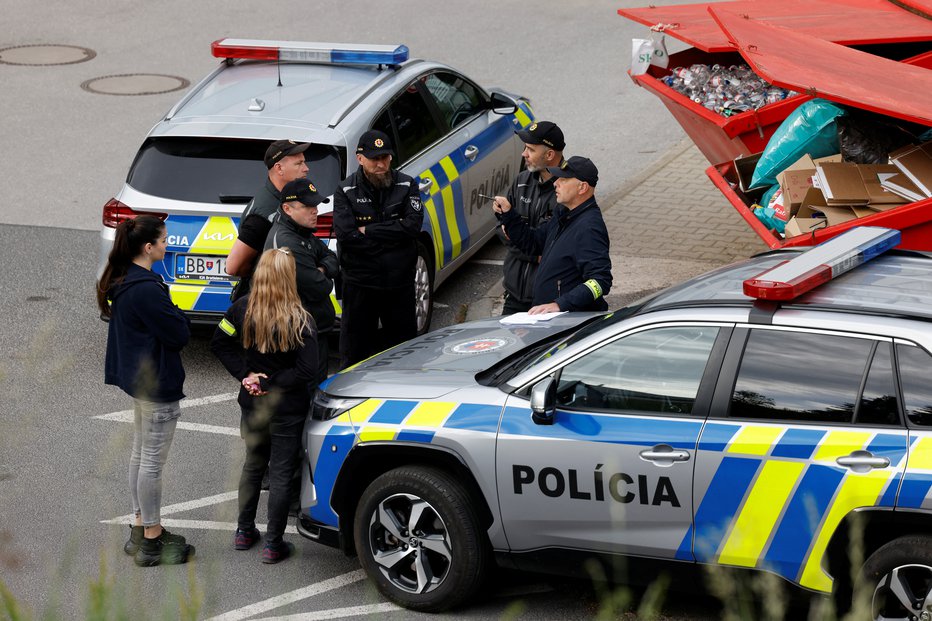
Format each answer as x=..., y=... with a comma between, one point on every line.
x=725, y=90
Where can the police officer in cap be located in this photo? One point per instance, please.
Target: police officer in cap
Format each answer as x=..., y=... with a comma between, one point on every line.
x=316, y=265
x=377, y=216
x=532, y=197
x=285, y=161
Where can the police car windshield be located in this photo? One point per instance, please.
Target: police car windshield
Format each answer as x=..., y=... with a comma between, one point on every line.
x=217, y=170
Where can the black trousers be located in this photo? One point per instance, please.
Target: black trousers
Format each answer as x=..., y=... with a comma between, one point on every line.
x=513, y=305
x=273, y=440
x=363, y=308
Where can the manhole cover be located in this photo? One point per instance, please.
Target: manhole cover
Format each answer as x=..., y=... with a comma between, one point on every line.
x=39, y=55
x=135, y=84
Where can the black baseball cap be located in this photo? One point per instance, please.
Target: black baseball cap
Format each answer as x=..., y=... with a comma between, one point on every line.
x=374, y=144
x=282, y=148
x=303, y=191
x=577, y=167
x=543, y=132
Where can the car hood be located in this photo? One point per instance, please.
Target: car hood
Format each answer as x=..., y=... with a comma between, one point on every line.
x=438, y=362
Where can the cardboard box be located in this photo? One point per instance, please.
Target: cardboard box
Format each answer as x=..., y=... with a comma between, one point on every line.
x=803, y=226
x=814, y=206
x=744, y=168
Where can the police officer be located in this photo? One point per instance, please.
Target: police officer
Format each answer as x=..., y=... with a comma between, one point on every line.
x=377, y=216
x=532, y=197
x=316, y=265
x=285, y=161
x=575, y=270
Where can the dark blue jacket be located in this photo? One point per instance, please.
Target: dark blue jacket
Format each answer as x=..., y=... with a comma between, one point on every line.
x=145, y=337
x=575, y=267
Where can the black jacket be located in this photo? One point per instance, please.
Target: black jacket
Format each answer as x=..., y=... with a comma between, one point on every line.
x=534, y=200
x=254, y=226
x=575, y=267
x=314, y=287
x=144, y=338
x=290, y=374
x=386, y=255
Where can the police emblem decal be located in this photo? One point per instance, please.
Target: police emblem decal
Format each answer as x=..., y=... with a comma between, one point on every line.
x=416, y=203
x=478, y=346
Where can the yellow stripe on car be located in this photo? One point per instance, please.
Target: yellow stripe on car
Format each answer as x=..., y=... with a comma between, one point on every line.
x=449, y=208
x=375, y=433
x=185, y=296
x=754, y=440
x=215, y=237
x=360, y=413
x=840, y=443
x=429, y=414
x=523, y=118
x=920, y=456
x=435, y=229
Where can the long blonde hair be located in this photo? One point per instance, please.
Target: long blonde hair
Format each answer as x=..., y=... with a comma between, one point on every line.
x=275, y=317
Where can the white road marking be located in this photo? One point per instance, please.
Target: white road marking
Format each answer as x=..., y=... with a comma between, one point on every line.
x=489, y=261
x=126, y=416
x=182, y=506
x=336, y=613
x=198, y=524
x=439, y=305
x=292, y=597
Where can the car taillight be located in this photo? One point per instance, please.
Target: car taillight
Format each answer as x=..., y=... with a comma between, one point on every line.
x=116, y=212
x=324, y=226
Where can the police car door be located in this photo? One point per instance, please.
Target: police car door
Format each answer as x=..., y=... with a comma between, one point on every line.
x=482, y=151
x=614, y=471
x=804, y=429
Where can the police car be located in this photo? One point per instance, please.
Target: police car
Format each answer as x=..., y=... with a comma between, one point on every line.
x=202, y=162
x=743, y=418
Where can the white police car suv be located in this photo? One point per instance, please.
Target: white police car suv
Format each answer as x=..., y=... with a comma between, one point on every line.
x=202, y=162
x=743, y=418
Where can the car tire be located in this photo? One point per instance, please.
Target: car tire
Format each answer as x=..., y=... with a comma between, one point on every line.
x=423, y=289
x=898, y=571
x=430, y=559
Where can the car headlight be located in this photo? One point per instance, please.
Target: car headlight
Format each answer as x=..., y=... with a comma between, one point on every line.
x=326, y=407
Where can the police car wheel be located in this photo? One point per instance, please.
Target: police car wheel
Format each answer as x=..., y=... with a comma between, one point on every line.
x=898, y=579
x=423, y=289
x=418, y=538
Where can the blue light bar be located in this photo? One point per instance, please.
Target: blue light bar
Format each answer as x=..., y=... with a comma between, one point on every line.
x=300, y=51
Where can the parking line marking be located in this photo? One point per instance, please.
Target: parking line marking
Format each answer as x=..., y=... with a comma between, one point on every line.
x=182, y=506
x=127, y=417
x=199, y=524
x=488, y=261
x=337, y=613
x=185, y=403
x=292, y=597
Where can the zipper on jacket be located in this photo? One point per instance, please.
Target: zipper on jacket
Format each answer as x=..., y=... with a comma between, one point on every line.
x=558, y=288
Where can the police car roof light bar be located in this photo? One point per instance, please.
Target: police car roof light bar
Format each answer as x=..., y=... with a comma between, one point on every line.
x=826, y=261
x=256, y=49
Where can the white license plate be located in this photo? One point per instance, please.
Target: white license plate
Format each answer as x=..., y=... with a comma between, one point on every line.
x=200, y=266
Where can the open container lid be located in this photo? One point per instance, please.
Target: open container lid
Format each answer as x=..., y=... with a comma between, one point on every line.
x=846, y=22
x=805, y=63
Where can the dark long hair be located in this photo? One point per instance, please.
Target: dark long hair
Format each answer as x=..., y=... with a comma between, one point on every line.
x=131, y=236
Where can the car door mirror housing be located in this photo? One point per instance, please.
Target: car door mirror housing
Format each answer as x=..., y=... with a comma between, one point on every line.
x=544, y=401
x=503, y=104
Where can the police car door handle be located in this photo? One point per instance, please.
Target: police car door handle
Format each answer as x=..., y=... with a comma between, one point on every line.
x=425, y=184
x=862, y=461
x=471, y=152
x=664, y=454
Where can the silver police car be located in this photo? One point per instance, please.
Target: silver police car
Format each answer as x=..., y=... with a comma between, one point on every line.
x=202, y=162
x=743, y=418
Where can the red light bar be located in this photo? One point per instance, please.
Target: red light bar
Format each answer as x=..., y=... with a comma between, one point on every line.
x=220, y=50
x=826, y=261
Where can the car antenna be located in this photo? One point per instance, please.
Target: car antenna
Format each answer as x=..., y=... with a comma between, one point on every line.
x=278, y=64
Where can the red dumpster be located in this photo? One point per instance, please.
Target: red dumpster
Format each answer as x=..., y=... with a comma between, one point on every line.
x=875, y=24
x=830, y=71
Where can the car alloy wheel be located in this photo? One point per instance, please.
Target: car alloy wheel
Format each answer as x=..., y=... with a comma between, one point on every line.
x=904, y=593
x=423, y=289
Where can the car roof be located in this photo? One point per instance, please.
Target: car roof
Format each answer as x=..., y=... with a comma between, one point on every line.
x=898, y=283
x=313, y=97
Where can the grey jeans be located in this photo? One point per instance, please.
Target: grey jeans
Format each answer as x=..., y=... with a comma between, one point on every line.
x=154, y=430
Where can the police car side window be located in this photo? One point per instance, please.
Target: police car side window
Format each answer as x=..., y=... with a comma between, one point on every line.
x=915, y=366
x=457, y=99
x=654, y=371
x=878, y=403
x=800, y=377
x=413, y=122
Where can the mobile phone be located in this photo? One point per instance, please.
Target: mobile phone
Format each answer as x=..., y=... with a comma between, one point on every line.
x=486, y=197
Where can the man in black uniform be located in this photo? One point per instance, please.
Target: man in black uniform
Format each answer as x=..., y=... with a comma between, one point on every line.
x=575, y=267
x=377, y=216
x=315, y=263
x=532, y=197
x=285, y=161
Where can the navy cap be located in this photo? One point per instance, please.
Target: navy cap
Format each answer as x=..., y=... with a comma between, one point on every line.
x=374, y=144
x=543, y=132
x=283, y=148
x=577, y=167
x=303, y=191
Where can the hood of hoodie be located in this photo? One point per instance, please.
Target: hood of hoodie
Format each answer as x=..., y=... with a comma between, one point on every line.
x=134, y=276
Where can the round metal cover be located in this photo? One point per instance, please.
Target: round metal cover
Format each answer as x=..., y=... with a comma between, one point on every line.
x=40, y=55
x=135, y=84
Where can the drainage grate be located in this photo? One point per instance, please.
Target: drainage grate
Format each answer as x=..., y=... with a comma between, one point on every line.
x=44, y=55
x=135, y=84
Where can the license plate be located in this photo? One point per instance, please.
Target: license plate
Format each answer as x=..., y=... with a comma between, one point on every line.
x=201, y=267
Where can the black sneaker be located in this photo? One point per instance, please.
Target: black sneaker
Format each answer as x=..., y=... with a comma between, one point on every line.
x=166, y=549
x=276, y=554
x=245, y=538
x=135, y=540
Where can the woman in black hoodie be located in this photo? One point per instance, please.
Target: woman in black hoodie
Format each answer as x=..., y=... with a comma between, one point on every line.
x=268, y=341
x=144, y=341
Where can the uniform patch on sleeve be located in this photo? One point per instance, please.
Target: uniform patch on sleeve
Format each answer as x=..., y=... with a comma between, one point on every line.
x=416, y=203
x=227, y=327
x=594, y=287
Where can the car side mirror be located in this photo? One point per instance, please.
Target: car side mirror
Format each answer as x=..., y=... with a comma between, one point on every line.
x=503, y=104
x=544, y=401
